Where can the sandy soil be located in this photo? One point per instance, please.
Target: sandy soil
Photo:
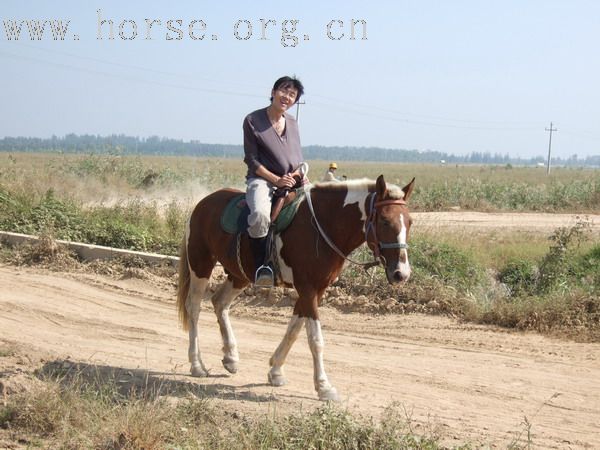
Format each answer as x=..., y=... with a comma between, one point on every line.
x=472, y=383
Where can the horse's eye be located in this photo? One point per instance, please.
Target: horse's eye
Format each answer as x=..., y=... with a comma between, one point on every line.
x=386, y=223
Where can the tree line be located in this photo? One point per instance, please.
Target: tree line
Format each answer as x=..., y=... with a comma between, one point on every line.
x=155, y=145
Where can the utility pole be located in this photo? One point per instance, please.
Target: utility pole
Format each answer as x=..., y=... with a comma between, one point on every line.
x=298, y=109
x=549, y=147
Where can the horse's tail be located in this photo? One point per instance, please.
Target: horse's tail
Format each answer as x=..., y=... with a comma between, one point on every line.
x=183, y=285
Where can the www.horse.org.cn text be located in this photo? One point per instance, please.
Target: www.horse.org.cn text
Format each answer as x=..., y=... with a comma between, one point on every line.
x=287, y=31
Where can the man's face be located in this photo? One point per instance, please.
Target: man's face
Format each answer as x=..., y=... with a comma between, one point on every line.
x=284, y=97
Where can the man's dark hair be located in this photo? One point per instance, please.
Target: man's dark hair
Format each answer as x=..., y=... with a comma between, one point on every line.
x=287, y=82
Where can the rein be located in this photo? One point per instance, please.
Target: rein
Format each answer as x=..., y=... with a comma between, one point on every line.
x=370, y=226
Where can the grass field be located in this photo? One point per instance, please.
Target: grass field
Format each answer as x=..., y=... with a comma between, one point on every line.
x=111, y=178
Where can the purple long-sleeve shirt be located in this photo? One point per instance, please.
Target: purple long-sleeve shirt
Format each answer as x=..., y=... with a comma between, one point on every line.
x=263, y=146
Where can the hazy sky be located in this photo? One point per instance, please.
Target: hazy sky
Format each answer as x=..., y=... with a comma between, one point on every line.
x=454, y=76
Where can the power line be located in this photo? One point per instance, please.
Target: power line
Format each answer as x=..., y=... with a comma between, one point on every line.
x=354, y=108
x=337, y=101
x=394, y=111
x=134, y=67
x=582, y=134
x=132, y=79
x=418, y=122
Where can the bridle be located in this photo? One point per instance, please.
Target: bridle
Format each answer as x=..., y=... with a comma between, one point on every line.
x=369, y=226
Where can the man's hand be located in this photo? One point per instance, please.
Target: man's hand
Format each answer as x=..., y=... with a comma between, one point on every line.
x=286, y=181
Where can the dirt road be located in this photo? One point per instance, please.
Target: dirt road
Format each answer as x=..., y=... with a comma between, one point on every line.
x=473, y=383
x=484, y=222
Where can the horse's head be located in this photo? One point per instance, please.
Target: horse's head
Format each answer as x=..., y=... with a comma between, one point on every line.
x=388, y=227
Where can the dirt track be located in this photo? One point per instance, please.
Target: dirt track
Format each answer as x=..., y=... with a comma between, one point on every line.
x=473, y=383
x=533, y=222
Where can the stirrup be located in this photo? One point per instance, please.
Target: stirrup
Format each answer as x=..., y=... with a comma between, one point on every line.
x=264, y=277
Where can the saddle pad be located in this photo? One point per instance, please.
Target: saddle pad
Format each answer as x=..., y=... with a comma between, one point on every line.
x=235, y=215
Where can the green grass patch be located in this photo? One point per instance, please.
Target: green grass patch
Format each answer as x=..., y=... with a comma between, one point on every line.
x=133, y=225
x=451, y=265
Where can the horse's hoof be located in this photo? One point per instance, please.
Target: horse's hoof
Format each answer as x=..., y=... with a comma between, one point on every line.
x=230, y=365
x=329, y=395
x=198, y=371
x=276, y=380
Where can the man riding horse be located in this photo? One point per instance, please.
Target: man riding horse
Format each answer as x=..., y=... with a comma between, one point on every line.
x=331, y=221
x=273, y=155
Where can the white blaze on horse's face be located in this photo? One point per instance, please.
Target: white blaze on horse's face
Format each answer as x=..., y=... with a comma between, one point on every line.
x=403, y=264
x=397, y=266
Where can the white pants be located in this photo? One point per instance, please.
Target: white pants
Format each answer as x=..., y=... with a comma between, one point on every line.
x=259, y=193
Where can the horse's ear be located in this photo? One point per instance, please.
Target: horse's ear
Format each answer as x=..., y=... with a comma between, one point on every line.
x=381, y=188
x=408, y=189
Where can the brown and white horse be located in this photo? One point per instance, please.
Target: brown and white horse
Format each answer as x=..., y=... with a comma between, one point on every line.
x=332, y=221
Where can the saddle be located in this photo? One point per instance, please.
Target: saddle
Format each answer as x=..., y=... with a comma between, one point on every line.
x=284, y=206
x=234, y=219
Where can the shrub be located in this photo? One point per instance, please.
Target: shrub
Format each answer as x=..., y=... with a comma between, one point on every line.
x=575, y=314
x=520, y=276
x=557, y=265
x=587, y=269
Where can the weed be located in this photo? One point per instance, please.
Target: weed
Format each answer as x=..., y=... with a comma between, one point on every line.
x=554, y=268
x=587, y=268
x=44, y=251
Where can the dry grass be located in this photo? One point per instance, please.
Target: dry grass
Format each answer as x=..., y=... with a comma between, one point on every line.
x=83, y=406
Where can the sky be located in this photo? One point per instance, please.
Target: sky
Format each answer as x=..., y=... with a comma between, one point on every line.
x=456, y=77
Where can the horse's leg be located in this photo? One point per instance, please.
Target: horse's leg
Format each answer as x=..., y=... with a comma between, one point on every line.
x=315, y=341
x=307, y=306
x=276, y=376
x=193, y=303
x=221, y=301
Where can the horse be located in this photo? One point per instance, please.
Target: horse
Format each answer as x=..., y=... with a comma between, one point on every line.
x=333, y=219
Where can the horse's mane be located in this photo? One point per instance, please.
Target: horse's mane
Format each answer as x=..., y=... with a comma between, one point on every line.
x=358, y=185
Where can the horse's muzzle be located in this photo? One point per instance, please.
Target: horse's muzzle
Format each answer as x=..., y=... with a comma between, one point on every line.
x=396, y=275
